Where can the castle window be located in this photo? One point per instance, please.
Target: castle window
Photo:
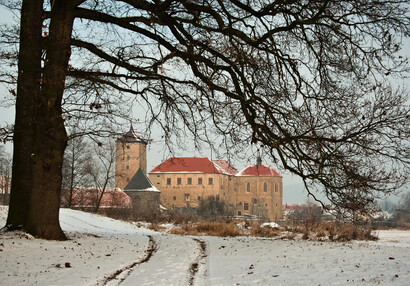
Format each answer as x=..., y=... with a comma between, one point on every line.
x=168, y=181
x=239, y=213
x=179, y=181
x=199, y=181
x=248, y=187
x=189, y=181
x=245, y=206
x=127, y=167
x=265, y=187
x=128, y=157
x=276, y=188
x=199, y=198
x=175, y=198
x=210, y=181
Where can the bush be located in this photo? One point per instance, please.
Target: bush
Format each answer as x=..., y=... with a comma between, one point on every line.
x=213, y=208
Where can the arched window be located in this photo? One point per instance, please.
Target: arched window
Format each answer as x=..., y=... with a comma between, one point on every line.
x=265, y=187
x=276, y=187
x=248, y=187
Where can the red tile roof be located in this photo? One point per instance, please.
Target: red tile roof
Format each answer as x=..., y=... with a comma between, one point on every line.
x=228, y=168
x=259, y=170
x=193, y=165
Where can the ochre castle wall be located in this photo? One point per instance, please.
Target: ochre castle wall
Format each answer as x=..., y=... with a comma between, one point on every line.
x=231, y=189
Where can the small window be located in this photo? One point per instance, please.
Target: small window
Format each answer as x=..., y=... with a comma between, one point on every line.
x=179, y=181
x=127, y=167
x=245, y=206
x=168, y=181
x=189, y=181
x=199, y=198
x=265, y=187
x=186, y=197
x=248, y=187
x=128, y=157
x=199, y=181
x=210, y=181
x=276, y=188
x=239, y=213
x=175, y=198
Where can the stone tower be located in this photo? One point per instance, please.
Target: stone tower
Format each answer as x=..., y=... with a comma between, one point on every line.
x=131, y=155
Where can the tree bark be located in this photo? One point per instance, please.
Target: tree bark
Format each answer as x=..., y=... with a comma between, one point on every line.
x=40, y=133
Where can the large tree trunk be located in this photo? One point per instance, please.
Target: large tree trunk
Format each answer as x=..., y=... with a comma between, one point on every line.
x=40, y=136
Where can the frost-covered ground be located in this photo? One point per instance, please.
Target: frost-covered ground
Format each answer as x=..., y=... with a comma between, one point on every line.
x=102, y=251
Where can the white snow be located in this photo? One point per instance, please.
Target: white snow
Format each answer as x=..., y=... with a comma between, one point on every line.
x=103, y=251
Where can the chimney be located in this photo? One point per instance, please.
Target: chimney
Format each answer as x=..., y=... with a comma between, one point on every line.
x=259, y=161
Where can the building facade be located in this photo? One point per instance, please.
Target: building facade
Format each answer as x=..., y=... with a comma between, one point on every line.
x=184, y=182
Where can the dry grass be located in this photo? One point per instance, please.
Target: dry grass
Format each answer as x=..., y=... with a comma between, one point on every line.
x=222, y=229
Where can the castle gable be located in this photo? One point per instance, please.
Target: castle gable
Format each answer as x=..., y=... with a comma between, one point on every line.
x=259, y=171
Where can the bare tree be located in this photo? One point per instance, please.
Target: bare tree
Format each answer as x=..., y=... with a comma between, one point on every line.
x=5, y=172
x=307, y=81
x=101, y=170
x=76, y=160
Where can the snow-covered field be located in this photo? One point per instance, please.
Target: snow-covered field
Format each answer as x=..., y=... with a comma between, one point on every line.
x=103, y=251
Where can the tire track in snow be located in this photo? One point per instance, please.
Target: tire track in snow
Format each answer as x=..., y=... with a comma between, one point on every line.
x=194, y=267
x=121, y=274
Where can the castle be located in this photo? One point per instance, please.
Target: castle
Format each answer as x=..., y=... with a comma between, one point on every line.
x=185, y=181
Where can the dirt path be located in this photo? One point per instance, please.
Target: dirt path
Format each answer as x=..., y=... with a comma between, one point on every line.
x=121, y=274
x=195, y=266
x=178, y=260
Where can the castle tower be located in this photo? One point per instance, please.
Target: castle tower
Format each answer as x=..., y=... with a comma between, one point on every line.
x=131, y=155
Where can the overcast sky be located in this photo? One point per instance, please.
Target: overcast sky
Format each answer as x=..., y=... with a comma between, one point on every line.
x=293, y=187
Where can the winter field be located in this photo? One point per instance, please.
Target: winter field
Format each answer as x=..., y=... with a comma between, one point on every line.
x=103, y=251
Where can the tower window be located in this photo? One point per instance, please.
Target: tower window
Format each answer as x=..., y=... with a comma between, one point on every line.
x=175, y=198
x=248, y=187
x=128, y=157
x=265, y=187
x=127, y=167
x=179, y=181
x=168, y=181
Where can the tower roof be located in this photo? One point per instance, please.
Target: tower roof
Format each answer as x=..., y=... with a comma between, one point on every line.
x=131, y=136
x=140, y=182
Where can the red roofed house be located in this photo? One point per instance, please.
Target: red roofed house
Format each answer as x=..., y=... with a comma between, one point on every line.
x=183, y=182
x=259, y=191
